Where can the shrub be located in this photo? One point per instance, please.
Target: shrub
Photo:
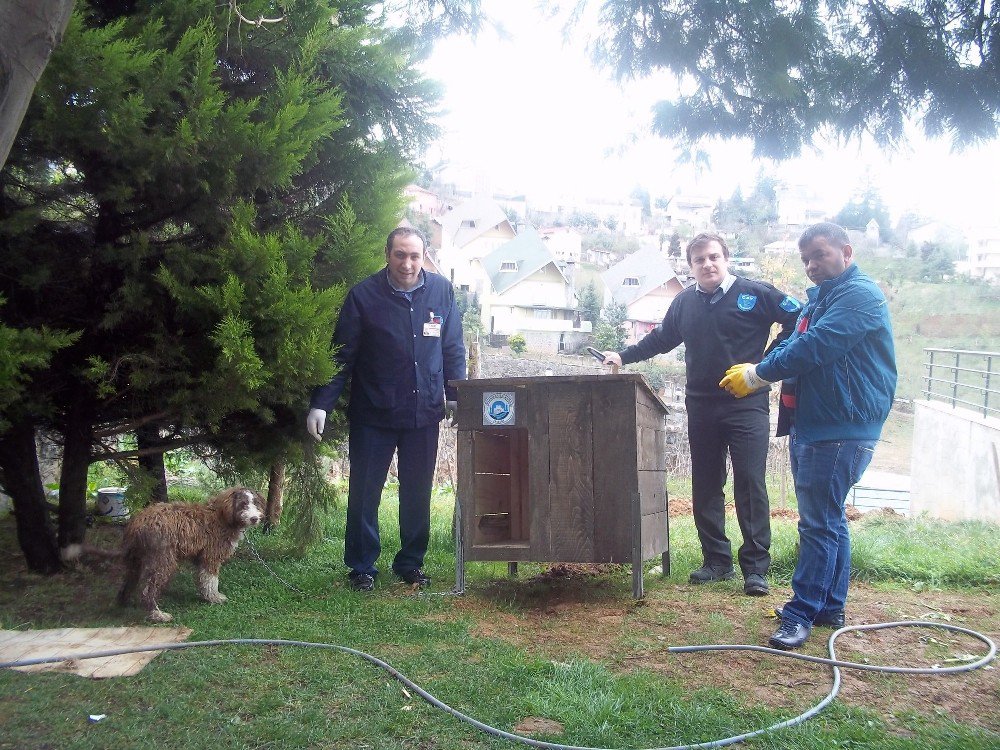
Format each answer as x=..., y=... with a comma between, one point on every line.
x=517, y=343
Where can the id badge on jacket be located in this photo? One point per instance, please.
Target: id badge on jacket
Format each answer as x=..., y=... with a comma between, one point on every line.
x=433, y=326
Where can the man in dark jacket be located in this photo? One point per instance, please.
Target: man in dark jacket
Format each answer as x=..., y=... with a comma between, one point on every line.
x=842, y=360
x=399, y=342
x=723, y=316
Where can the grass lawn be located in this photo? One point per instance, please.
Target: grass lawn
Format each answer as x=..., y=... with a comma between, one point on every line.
x=562, y=652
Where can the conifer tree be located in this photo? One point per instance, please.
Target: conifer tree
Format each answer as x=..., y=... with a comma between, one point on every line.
x=781, y=73
x=182, y=211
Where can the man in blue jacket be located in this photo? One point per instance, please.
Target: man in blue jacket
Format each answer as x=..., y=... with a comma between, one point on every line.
x=842, y=360
x=399, y=342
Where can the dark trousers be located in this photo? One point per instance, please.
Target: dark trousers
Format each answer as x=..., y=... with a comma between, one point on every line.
x=371, y=450
x=739, y=427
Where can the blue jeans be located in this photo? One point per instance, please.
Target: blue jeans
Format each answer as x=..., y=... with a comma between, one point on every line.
x=824, y=473
x=371, y=450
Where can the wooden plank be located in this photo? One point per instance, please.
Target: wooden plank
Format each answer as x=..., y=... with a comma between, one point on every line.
x=491, y=451
x=614, y=456
x=571, y=487
x=501, y=552
x=538, y=509
x=652, y=449
x=465, y=494
x=519, y=529
x=492, y=494
x=652, y=492
x=655, y=534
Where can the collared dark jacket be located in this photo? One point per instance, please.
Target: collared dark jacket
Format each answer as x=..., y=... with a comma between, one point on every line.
x=734, y=329
x=842, y=358
x=398, y=374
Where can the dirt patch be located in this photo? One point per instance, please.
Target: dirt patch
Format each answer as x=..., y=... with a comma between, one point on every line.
x=534, y=725
x=562, y=618
x=679, y=506
x=682, y=507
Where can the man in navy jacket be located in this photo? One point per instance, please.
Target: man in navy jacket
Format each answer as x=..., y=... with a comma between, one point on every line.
x=842, y=360
x=399, y=342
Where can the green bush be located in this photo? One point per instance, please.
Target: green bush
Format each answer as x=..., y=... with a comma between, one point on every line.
x=517, y=343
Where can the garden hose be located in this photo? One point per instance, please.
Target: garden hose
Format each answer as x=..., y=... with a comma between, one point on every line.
x=833, y=662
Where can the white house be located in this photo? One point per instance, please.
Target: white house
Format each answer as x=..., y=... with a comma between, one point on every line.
x=529, y=293
x=645, y=283
x=782, y=247
x=565, y=243
x=798, y=205
x=984, y=254
x=695, y=210
x=464, y=236
x=422, y=201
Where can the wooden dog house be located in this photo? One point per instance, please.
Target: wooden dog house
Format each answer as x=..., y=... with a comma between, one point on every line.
x=561, y=469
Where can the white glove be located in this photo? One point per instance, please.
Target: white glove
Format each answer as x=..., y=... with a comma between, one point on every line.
x=315, y=423
x=451, y=412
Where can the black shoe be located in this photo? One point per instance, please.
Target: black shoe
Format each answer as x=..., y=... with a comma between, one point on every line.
x=361, y=581
x=755, y=585
x=707, y=574
x=829, y=619
x=415, y=577
x=789, y=634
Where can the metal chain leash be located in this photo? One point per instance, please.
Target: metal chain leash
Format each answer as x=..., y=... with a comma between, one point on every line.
x=268, y=568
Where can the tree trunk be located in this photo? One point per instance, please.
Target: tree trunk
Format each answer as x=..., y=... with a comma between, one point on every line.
x=148, y=436
x=29, y=31
x=78, y=442
x=275, y=496
x=21, y=480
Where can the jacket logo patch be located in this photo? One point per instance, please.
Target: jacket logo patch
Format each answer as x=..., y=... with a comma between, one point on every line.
x=746, y=302
x=790, y=304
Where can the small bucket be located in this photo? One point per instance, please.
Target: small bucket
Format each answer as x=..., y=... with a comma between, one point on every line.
x=111, y=504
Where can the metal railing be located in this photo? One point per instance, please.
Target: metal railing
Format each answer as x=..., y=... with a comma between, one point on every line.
x=964, y=378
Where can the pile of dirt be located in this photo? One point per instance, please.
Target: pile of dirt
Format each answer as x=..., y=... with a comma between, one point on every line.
x=573, y=570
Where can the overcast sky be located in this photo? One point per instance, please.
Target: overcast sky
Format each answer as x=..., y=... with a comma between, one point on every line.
x=533, y=116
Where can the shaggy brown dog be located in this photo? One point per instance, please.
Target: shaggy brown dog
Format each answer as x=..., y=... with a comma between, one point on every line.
x=163, y=534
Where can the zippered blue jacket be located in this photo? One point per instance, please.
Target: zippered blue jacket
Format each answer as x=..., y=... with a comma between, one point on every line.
x=843, y=360
x=398, y=371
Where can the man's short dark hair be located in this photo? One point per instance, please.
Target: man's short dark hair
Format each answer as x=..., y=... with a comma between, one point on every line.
x=835, y=234
x=700, y=240
x=404, y=232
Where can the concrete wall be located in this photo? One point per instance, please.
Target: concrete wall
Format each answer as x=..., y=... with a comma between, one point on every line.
x=955, y=469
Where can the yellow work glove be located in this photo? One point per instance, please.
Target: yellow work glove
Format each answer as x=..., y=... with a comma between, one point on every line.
x=742, y=380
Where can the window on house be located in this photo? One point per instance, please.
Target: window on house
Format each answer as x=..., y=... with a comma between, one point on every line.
x=469, y=223
x=540, y=314
x=630, y=281
x=508, y=265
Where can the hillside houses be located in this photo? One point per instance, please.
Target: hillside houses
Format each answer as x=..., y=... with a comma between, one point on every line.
x=530, y=293
x=519, y=281
x=463, y=236
x=645, y=283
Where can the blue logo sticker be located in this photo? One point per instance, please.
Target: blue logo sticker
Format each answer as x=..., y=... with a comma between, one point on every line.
x=746, y=302
x=499, y=410
x=790, y=304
